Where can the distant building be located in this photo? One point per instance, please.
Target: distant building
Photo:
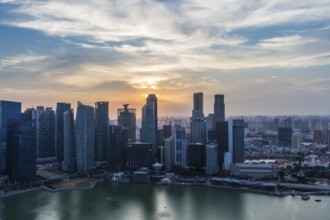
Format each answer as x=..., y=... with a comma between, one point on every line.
x=61, y=107
x=212, y=166
x=210, y=121
x=69, y=163
x=45, y=132
x=167, y=131
x=85, y=141
x=127, y=119
x=254, y=170
x=284, y=136
x=169, y=151
x=22, y=145
x=10, y=113
x=219, y=108
x=118, y=136
x=297, y=139
x=150, y=123
x=196, y=156
x=222, y=140
x=238, y=140
x=180, y=146
x=101, y=131
x=198, y=121
x=138, y=155
x=318, y=137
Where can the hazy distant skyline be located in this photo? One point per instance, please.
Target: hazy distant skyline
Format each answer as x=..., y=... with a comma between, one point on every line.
x=267, y=57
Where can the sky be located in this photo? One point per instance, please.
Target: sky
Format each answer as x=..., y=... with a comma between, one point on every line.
x=268, y=57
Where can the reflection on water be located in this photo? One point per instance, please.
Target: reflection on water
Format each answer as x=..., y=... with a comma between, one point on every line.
x=131, y=201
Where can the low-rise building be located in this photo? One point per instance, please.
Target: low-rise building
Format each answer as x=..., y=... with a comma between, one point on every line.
x=253, y=170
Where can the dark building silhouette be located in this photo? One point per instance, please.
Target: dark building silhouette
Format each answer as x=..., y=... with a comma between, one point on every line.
x=127, y=118
x=118, y=137
x=285, y=136
x=22, y=153
x=219, y=108
x=101, y=131
x=138, y=155
x=167, y=131
x=198, y=121
x=45, y=132
x=85, y=138
x=196, y=156
x=69, y=163
x=238, y=141
x=287, y=123
x=10, y=113
x=61, y=107
x=318, y=137
x=150, y=124
x=180, y=146
x=222, y=140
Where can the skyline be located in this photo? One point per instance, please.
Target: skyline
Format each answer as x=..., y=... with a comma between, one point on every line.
x=266, y=57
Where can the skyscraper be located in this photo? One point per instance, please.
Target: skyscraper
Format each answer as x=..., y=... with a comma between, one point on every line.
x=118, y=139
x=10, y=113
x=238, y=141
x=85, y=138
x=69, y=163
x=212, y=165
x=61, y=107
x=198, y=121
x=101, y=130
x=180, y=146
x=223, y=141
x=285, y=136
x=219, y=108
x=45, y=132
x=150, y=123
x=22, y=144
x=198, y=103
x=127, y=119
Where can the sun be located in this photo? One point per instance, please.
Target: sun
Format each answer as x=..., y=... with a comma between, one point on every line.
x=147, y=83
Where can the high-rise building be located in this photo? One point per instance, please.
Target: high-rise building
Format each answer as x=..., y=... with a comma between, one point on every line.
x=69, y=163
x=196, y=156
x=150, y=123
x=219, y=108
x=198, y=103
x=297, y=139
x=101, y=131
x=10, y=113
x=318, y=137
x=167, y=131
x=45, y=132
x=61, y=107
x=212, y=165
x=169, y=150
x=285, y=136
x=118, y=137
x=238, y=141
x=180, y=146
x=22, y=145
x=127, y=119
x=85, y=142
x=223, y=141
x=198, y=121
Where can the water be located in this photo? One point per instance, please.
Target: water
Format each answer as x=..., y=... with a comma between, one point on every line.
x=135, y=202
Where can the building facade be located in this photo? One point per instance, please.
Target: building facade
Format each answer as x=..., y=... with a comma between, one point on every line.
x=127, y=118
x=101, y=131
x=85, y=142
x=149, y=127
